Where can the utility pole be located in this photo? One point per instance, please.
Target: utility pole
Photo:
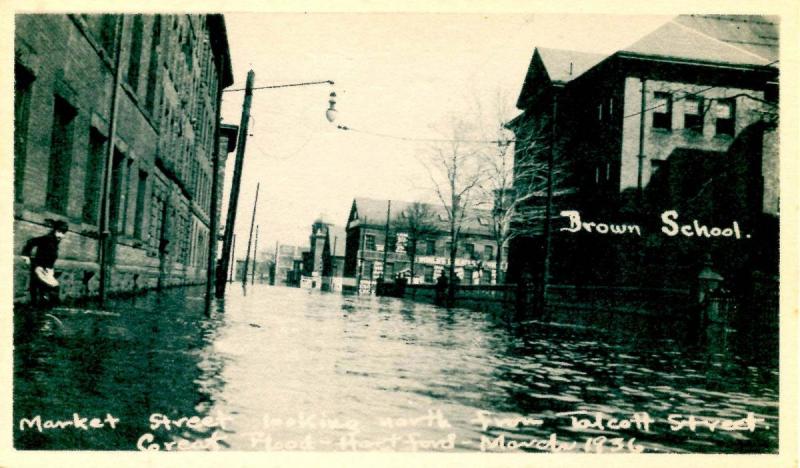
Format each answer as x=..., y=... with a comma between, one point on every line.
x=363, y=233
x=386, y=239
x=548, y=224
x=213, y=210
x=275, y=266
x=105, y=225
x=233, y=254
x=255, y=258
x=640, y=167
x=250, y=239
x=237, y=179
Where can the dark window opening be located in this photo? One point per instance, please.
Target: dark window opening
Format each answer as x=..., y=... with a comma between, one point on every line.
x=430, y=248
x=468, y=272
x=693, y=114
x=23, y=80
x=470, y=250
x=152, y=72
x=725, y=112
x=58, y=176
x=391, y=243
x=662, y=111
x=428, y=278
x=369, y=242
x=141, y=190
x=93, y=177
x=135, y=58
x=488, y=252
x=115, y=194
x=486, y=277
x=369, y=268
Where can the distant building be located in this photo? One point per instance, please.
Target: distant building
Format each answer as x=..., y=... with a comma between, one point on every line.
x=173, y=69
x=611, y=124
x=323, y=265
x=285, y=265
x=367, y=240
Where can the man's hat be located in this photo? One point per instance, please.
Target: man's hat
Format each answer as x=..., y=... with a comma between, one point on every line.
x=59, y=225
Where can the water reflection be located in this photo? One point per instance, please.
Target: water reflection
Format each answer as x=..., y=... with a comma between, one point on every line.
x=292, y=369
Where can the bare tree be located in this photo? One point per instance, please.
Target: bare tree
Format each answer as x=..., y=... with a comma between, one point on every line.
x=516, y=180
x=417, y=222
x=454, y=167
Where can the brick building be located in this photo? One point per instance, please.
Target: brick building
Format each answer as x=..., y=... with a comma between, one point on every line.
x=323, y=264
x=156, y=82
x=695, y=85
x=366, y=242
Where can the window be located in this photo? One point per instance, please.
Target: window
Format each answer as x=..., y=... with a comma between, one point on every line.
x=369, y=242
x=611, y=107
x=725, y=112
x=428, y=273
x=597, y=175
x=141, y=190
x=600, y=111
x=468, y=276
x=488, y=252
x=58, y=176
x=389, y=273
x=430, y=247
x=152, y=72
x=22, y=104
x=115, y=194
x=368, y=269
x=391, y=243
x=608, y=172
x=662, y=112
x=126, y=228
x=470, y=250
x=108, y=32
x=136, y=53
x=486, y=276
x=693, y=114
x=92, y=180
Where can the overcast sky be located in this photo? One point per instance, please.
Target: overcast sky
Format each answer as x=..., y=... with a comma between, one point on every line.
x=397, y=74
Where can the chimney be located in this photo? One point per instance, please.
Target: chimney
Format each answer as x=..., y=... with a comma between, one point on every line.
x=570, y=68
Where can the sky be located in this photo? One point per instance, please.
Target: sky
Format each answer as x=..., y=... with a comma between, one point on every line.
x=399, y=74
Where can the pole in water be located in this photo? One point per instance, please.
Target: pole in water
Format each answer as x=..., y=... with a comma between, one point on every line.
x=255, y=258
x=250, y=239
x=233, y=255
x=237, y=177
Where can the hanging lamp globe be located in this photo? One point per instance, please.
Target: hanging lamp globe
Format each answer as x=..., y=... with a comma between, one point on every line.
x=330, y=114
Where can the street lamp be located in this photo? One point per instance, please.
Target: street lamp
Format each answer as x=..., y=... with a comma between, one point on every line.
x=330, y=114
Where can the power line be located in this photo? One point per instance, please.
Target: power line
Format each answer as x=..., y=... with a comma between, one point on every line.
x=687, y=94
x=427, y=140
x=289, y=85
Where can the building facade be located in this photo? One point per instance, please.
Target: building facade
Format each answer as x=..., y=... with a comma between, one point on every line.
x=285, y=265
x=696, y=86
x=323, y=263
x=367, y=244
x=155, y=81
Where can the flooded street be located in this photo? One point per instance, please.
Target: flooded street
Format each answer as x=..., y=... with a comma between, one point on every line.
x=289, y=369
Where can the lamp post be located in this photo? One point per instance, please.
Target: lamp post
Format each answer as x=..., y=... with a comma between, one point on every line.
x=233, y=201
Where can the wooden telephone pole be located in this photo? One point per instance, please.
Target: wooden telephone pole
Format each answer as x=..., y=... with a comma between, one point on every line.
x=236, y=183
x=250, y=239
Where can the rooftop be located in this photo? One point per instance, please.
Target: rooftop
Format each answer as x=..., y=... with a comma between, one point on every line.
x=563, y=66
x=728, y=39
x=476, y=221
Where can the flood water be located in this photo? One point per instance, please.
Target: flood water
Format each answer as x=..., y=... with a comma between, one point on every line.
x=289, y=369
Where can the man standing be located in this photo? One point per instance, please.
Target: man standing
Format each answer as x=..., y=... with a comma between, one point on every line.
x=41, y=253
